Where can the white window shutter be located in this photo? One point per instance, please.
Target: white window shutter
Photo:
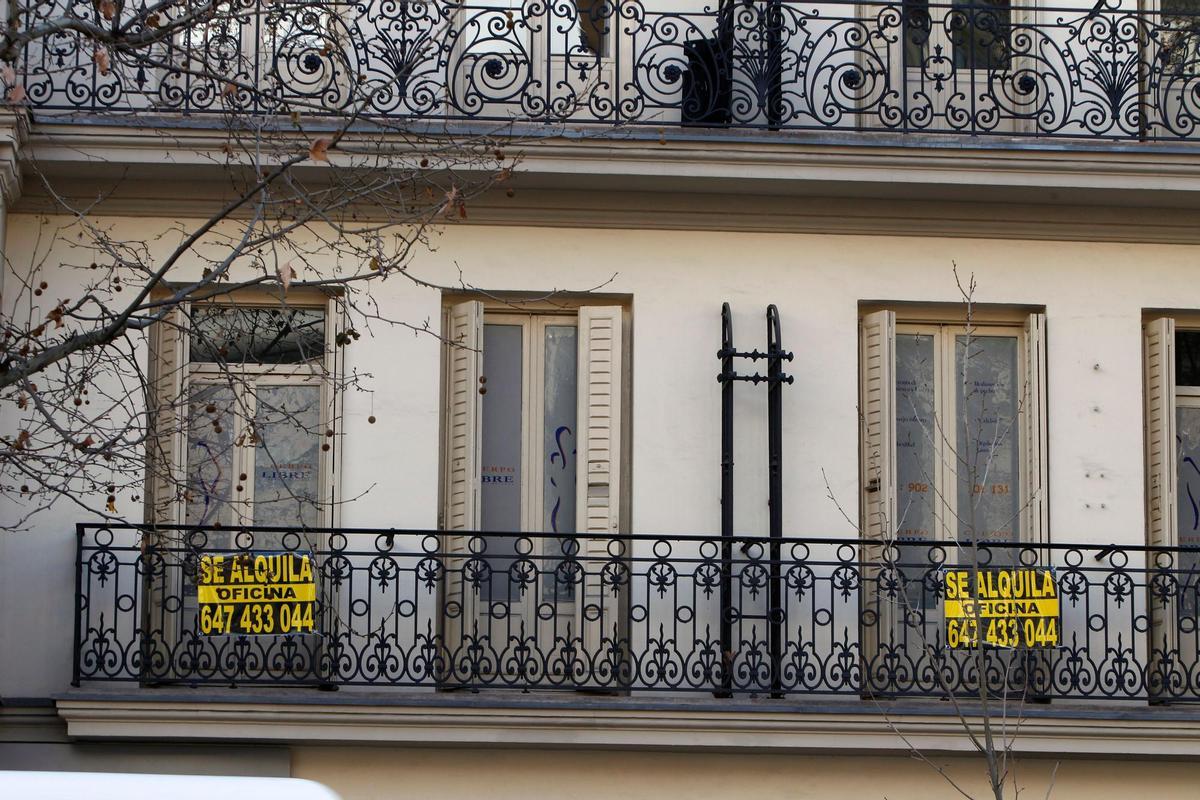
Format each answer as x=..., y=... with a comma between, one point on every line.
x=1161, y=484
x=1161, y=469
x=878, y=419
x=877, y=416
x=464, y=357
x=168, y=371
x=598, y=481
x=1036, y=496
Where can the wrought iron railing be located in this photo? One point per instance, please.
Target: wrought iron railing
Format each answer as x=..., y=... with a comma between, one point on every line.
x=635, y=613
x=1109, y=69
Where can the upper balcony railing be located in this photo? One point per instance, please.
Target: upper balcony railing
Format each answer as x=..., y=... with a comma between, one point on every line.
x=785, y=617
x=1090, y=69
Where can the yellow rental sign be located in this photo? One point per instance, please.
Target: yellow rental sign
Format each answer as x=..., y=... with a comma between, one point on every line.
x=1014, y=607
x=256, y=593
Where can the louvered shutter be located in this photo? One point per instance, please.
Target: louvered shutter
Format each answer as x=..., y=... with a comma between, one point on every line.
x=168, y=410
x=1161, y=480
x=879, y=425
x=166, y=438
x=877, y=412
x=1035, y=491
x=598, y=482
x=464, y=343
x=1161, y=477
x=1036, y=496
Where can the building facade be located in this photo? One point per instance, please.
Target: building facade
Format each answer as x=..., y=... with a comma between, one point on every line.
x=793, y=309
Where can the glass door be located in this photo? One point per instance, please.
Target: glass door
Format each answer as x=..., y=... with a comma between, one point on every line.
x=952, y=55
x=527, y=486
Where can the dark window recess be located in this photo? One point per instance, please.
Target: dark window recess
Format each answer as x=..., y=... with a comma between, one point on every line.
x=1187, y=358
x=248, y=335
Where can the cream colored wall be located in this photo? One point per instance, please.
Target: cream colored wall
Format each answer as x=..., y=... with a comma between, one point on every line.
x=499, y=774
x=1094, y=295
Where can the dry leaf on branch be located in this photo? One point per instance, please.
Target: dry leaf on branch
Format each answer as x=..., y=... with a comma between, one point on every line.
x=108, y=8
x=317, y=150
x=286, y=273
x=100, y=57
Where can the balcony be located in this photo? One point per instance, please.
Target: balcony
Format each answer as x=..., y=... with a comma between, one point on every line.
x=635, y=615
x=1105, y=71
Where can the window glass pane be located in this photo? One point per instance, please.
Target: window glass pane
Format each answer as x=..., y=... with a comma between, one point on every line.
x=1187, y=432
x=242, y=334
x=558, y=456
x=917, y=27
x=987, y=448
x=1187, y=358
x=979, y=30
x=209, y=490
x=287, y=476
x=579, y=28
x=916, y=439
x=500, y=489
x=1179, y=36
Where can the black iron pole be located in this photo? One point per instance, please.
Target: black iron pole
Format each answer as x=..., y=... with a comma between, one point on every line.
x=775, y=379
x=726, y=355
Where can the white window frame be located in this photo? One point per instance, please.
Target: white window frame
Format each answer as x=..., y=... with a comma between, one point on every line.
x=944, y=488
x=601, y=467
x=970, y=81
x=533, y=398
x=879, y=479
x=244, y=380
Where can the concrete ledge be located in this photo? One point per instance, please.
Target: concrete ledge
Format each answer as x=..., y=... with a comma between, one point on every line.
x=622, y=723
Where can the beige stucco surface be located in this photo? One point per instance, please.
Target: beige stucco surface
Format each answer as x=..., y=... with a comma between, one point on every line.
x=1094, y=295
x=396, y=774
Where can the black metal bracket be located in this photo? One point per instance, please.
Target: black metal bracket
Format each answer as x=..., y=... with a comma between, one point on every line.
x=775, y=356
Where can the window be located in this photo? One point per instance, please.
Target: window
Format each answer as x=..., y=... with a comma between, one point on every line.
x=1171, y=356
x=243, y=415
x=1172, y=428
x=1180, y=36
x=953, y=450
x=975, y=34
x=532, y=437
x=953, y=434
x=586, y=34
x=243, y=434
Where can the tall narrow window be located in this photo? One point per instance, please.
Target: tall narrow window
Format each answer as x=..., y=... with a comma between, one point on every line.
x=244, y=437
x=255, y=416
x=529, y=451
x=953, y=451
x=958, y=433
x=533, y=463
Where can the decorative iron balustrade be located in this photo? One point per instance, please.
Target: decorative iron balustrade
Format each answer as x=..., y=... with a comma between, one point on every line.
x=1106, y=69
x=634, y=614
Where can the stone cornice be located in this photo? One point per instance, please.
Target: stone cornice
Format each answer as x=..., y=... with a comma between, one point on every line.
x=14, y=133
x=850, y=184
x=442, y=720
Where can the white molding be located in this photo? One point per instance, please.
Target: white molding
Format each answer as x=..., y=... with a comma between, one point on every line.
x=1125, y=193
x=14, y=134
x=616, y=728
